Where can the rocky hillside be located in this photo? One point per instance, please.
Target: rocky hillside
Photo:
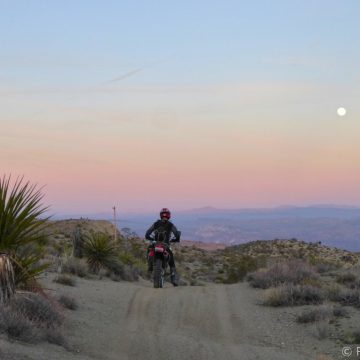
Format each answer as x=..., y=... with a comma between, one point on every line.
x=199, y=263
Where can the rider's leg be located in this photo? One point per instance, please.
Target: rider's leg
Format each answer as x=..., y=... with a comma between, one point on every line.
x=173, y=278
x=149, y=260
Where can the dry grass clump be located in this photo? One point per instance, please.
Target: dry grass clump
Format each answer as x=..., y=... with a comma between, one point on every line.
x=65, y=280
x=288, y=295
x=320, y=314
x=324, y=267
x=350, y=278
x=31, y=318
x=68, y=302
x=339, y=311
x=290, y=272
x=352, y=337
x=314, y=315
x=37, y=308
x=346, y=278
x=349, y=297
x=75, y=266
x=124, y=272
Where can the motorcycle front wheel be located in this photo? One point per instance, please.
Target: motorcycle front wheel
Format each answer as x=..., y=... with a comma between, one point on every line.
x=158, y=274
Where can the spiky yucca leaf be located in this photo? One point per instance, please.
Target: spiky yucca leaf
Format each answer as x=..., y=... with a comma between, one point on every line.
x=100, y=252
x=21, y=227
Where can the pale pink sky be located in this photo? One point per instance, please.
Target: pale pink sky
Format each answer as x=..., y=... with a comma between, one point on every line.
x=225, y=146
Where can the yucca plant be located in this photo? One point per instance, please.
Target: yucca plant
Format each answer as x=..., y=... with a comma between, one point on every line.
x=7, y=279
x=21, y=229
x=100, y=252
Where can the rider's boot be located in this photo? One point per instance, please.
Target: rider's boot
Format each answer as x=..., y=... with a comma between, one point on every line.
x=173, y=277
x=150, y=268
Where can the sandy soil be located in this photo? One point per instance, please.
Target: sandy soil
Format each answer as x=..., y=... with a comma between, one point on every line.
x=133, y=321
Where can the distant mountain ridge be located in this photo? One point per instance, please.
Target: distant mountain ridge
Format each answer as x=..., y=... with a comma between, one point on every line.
x=333, y=225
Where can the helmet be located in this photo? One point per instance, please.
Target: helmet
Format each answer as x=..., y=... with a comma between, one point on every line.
x=165, y=213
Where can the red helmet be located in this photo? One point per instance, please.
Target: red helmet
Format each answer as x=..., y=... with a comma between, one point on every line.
x=165, y=213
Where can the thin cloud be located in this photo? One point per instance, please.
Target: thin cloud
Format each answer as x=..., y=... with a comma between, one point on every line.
x=125, y=76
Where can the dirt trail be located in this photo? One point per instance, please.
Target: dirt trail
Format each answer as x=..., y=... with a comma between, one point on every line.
x=127, y=321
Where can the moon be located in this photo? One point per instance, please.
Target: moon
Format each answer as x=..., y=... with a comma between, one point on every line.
x=341, y=111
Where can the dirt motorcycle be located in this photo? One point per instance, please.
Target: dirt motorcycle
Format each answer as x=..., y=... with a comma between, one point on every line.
x=159, y=257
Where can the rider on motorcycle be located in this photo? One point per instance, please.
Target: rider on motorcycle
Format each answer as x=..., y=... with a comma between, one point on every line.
x=162, y=229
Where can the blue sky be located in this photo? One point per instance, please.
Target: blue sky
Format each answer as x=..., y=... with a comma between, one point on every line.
x=86, y=42
x=243, y=94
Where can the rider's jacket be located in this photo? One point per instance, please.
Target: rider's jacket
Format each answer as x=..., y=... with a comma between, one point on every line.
x=162, y=230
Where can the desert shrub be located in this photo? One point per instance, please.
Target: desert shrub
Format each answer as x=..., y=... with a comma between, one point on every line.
x=128, y=273
x=332, y=291
x=16, y=325
x=339, y=311
x=346, y=278
x=239, y=267
x=127, y=258
x=68, y=302
x=324, y=267
x=347, y=297
x=294, y=272
x=137, y=248
x=31, y=318
x=75, y=266
x=36, y=307
x=65, y=280
x=288, y=295
x=116, y=267
x=314, y=315
x=352, y=337
x=100, y=252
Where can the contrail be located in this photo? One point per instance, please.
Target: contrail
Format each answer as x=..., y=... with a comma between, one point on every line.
x=122, y=77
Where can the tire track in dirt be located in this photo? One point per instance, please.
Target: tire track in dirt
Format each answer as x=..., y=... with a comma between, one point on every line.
x=195, y=323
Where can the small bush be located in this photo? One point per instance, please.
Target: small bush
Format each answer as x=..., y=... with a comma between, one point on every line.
x=324, y=267
x=347, y=297
x=31, y=318
x=294, y=272
x=75, y=266
x=314, y=315
x=68, y=302
x=346, y=278
x=333, y=291
x=37, y=308
x=65, y=280
x=339, y=311
x=287, y=295
x=239, y=268
x=17, y=326
x=117, y=268
x=352, y=337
